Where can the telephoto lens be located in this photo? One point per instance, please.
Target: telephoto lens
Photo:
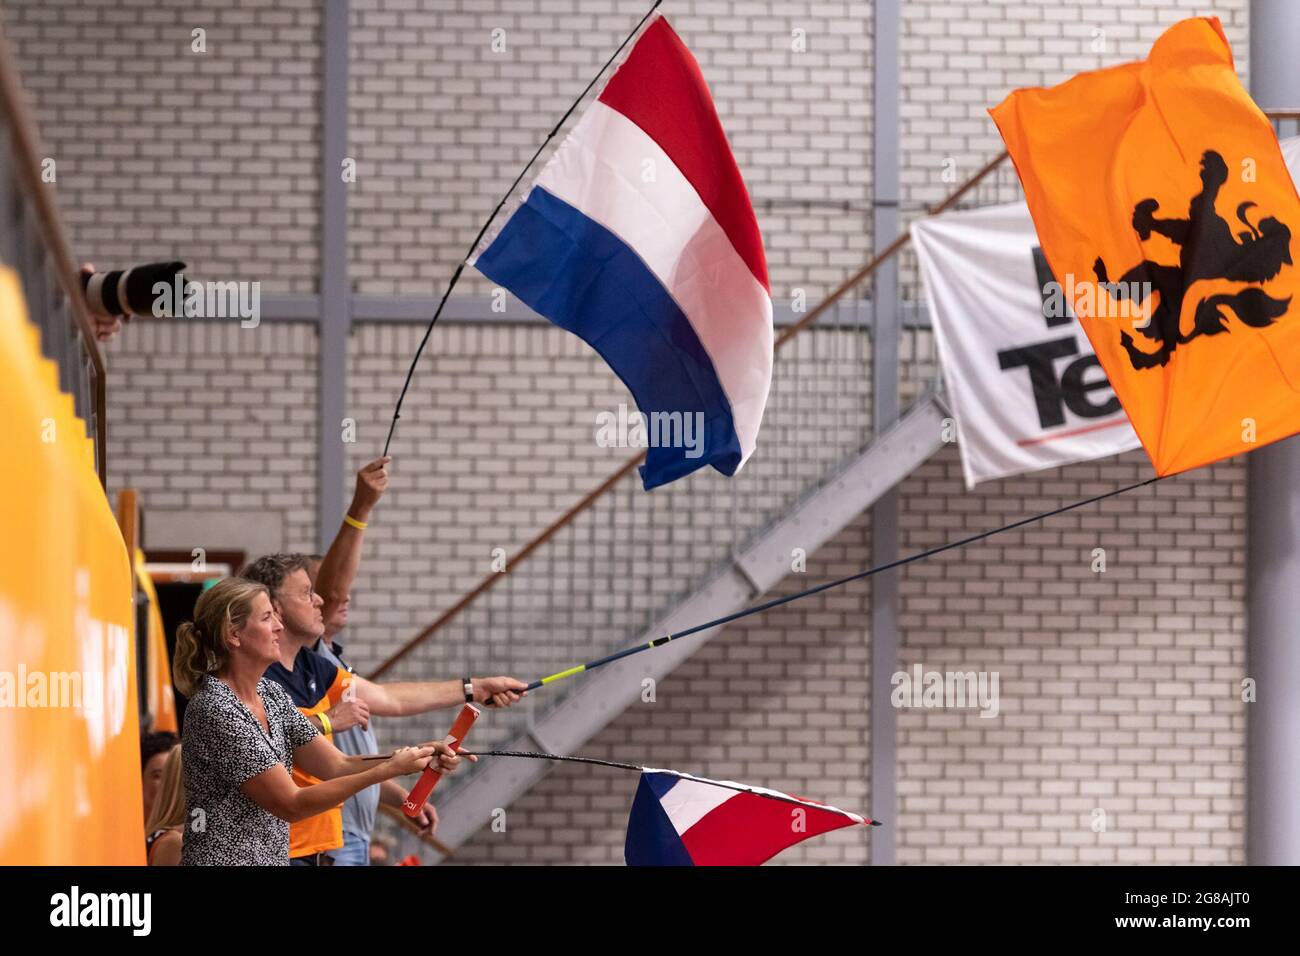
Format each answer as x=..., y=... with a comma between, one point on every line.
x=131, y=291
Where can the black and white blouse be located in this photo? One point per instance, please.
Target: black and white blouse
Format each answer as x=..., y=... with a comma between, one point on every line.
x=224, y=746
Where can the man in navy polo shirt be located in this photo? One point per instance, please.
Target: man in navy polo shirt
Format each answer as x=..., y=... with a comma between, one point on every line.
x=359, y=810
x=326, y=690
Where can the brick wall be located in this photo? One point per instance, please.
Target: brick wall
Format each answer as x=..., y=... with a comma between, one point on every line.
x=1120, y=690
x=215, y=426
x=960, y=57
x=495, y=440
x=161, y=152
x=440, y=124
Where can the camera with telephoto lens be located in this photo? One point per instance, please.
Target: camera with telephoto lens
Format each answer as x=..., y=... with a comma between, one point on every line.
x=131, y=291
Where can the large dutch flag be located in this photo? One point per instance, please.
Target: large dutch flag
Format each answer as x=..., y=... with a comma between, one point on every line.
x=639, y=237
x=681, y=820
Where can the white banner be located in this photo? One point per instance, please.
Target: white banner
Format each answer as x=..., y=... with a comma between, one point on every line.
x=1026, y=389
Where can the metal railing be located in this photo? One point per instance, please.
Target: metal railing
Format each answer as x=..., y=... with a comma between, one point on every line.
x=33, y=243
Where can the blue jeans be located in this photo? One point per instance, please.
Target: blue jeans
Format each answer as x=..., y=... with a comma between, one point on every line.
x=354, y=852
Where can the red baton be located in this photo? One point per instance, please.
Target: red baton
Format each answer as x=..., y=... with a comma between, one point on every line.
x=415, y=800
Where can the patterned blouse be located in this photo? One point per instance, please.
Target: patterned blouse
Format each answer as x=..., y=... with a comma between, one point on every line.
x=224, y=746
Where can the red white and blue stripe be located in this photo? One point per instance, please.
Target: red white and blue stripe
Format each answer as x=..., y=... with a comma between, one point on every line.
x=681, y=820
x=639, y=237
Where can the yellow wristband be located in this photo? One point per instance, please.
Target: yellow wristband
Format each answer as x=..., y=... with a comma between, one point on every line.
x=325, y=722
x=359, y=525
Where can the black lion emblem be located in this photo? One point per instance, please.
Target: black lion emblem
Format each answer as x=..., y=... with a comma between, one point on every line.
x=1209, y=251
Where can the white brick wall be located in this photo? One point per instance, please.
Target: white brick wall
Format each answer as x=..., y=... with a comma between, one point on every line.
x=1120, y=691
x=162, y=153
x=961, y=57
x=211, y=417
x=493, y=443
x=440, y=124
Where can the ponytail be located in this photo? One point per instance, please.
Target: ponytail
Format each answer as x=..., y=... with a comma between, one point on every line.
x=201, y=647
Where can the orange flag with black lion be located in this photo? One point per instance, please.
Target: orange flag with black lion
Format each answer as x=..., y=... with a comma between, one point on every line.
x=1161, y=198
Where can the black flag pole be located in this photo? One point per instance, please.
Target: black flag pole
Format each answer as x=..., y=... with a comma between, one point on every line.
x=455, y=276
x=838, y=582
x=594, y=761
x=618, y=765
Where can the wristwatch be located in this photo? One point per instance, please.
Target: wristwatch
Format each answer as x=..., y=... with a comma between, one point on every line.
x=469, y=690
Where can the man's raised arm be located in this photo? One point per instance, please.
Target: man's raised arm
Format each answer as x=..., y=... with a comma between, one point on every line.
x=338, y=568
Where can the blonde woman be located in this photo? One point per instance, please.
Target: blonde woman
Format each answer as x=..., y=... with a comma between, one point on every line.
x=243, y=735
x=167, y=818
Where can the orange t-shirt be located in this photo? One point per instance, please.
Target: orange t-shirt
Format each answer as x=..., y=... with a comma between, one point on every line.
x=316, y=684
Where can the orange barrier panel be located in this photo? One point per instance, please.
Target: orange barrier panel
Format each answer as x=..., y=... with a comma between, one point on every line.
x=69, y=730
